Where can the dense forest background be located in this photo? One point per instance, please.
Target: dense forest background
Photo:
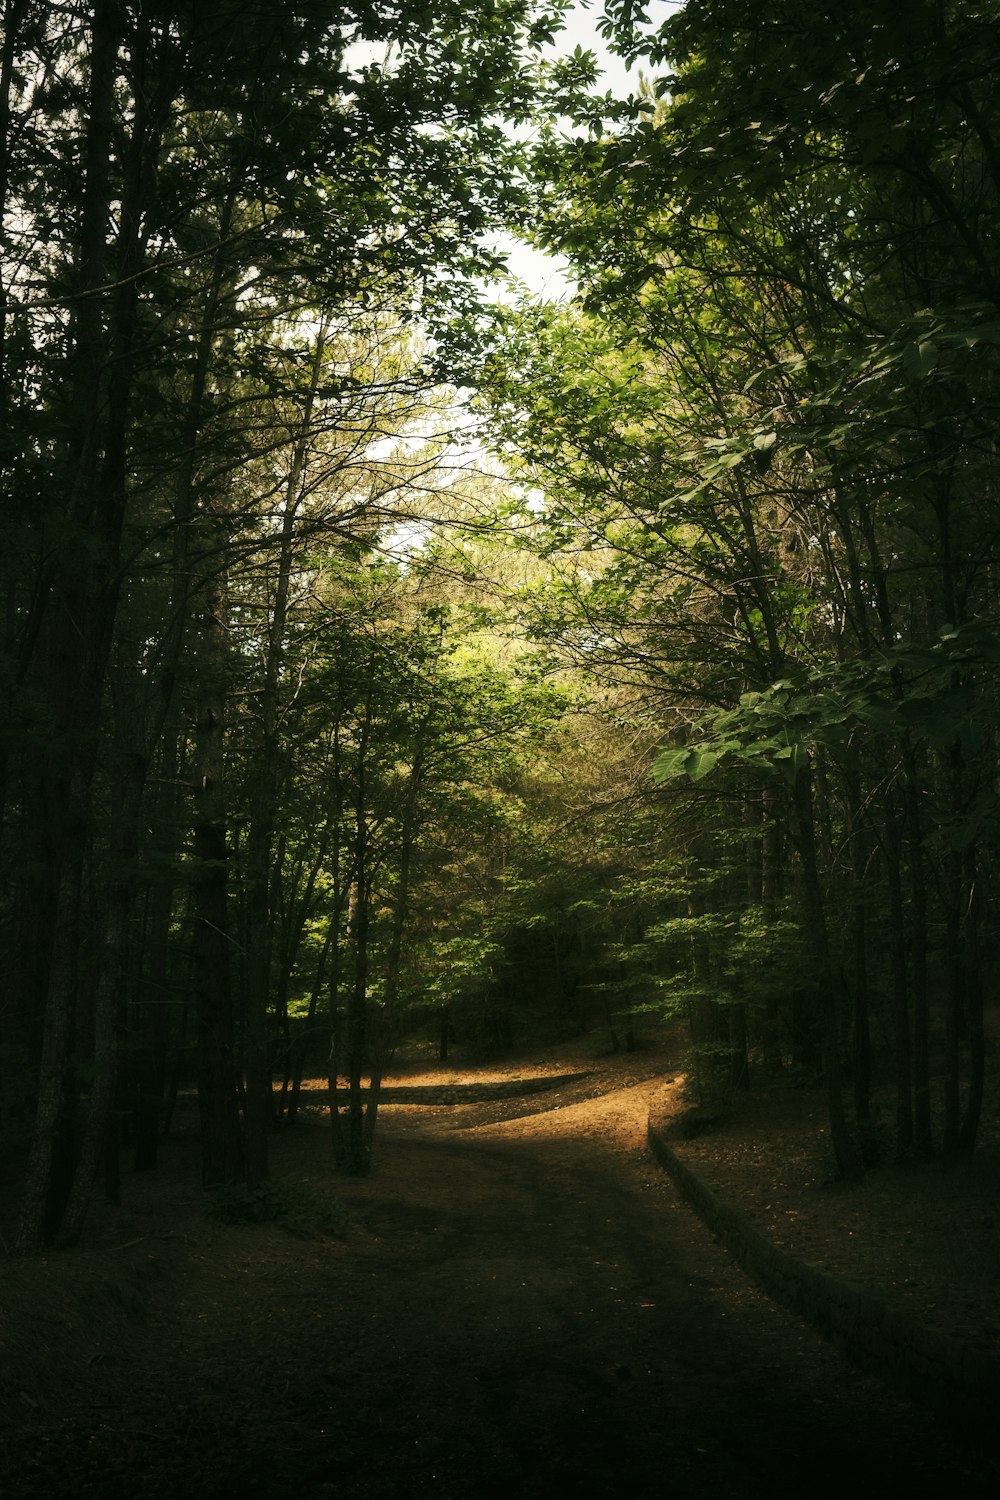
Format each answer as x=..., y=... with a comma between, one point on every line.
x=386, y=651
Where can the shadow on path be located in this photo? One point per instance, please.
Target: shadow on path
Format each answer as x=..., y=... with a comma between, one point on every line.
x=516, y=1313
x=562, y=1330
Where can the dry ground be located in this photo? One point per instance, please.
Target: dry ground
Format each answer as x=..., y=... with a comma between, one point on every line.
x=520, y=1306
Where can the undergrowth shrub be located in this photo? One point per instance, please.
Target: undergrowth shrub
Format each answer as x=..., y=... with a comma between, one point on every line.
x=296, y=1206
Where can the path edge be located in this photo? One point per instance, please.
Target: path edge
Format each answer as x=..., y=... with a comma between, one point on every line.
x=954, y=1378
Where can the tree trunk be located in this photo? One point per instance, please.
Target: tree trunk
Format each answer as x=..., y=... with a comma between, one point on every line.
x=973, y=1007
x=299, y=1044
x=75, y=645
x=739, y=1052
x=337, y=1139
x=151, y=1028
x=357, y=1019
x=37, y=1220
x=444, y=1034
x=954, y=1000
x=845, y=1152
x=152, y=1004
x=11, y=449
x=379, y=1044
x=902, y=1050
x=112, y=976
x=923, y=1131
x=861, y=1062
x=98, y=1133
x=260, y=837
x=770, y=847
x=221, y=1144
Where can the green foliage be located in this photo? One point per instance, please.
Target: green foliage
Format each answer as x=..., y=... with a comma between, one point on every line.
x=764, y=959
x=755, y=516
x=761, y=446
x=296, y=1206
x=935, y=694
x=709, y=1083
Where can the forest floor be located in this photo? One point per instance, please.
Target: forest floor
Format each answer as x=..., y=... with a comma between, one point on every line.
x=519, y=1305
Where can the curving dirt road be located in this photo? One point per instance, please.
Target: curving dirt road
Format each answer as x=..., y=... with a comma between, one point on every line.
x=522, y=1309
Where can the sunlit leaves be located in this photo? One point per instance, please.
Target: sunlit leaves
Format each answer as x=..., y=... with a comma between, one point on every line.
x=938, y=694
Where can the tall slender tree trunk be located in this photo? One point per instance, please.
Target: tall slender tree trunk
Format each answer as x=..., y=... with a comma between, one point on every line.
x=923, y=1129
x=395, y=953
x=861, y=1062
x=260, y=837
x=300, y=1043
x=704, y=1016
x=218, y=1075
x=139, y=161
x=37, y=1220
x=357, y=1021
x=152, y=1003
x=338, y=1143
x=954, y=896
x=98, y=1135
x=359, y=918
x=76, y=642
x=341, y=897
x=151, y=1031
x=10, y=448
x=969, y=1128
x=770, y=846
x=844, y=1149
x=902, y=1043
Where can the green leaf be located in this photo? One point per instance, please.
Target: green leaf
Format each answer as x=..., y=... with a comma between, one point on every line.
x=701, y=762
x=669, y=764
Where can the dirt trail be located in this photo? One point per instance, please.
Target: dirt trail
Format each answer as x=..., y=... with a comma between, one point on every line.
x=522, y=1309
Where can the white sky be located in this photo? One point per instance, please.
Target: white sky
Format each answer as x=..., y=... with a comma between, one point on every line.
x=544, y=274
x=581, y=31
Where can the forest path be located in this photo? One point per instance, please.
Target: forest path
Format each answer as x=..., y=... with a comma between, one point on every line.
x=520, y=1309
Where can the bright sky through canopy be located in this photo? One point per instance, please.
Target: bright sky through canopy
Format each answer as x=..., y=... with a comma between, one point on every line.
x=543, y=274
